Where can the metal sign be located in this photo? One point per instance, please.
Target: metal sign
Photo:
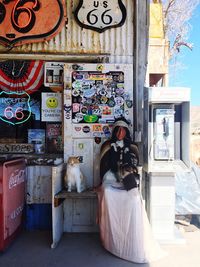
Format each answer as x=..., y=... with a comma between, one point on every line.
x=16, y=148
x=26, y=21
x=100, y=15
x=12, y=200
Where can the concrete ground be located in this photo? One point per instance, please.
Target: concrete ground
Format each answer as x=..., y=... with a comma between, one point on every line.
x=32, y=249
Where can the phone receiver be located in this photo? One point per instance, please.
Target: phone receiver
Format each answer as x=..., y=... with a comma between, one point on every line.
x=165, y=123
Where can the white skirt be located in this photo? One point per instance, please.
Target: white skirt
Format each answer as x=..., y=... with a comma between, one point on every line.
x=124, y=227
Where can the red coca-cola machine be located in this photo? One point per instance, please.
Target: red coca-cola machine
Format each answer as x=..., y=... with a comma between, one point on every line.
x=12, y=195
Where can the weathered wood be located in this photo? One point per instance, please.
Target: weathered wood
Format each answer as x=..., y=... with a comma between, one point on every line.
x=57, y=208
x=85, y=194
x=80, y=215
x=38, y=185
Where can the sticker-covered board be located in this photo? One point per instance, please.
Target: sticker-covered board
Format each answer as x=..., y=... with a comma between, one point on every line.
x=98, y=97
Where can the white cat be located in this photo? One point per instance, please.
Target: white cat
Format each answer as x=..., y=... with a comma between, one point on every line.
x=74, y=178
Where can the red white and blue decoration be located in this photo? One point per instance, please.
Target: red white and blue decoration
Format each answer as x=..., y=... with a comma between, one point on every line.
x=21, y=76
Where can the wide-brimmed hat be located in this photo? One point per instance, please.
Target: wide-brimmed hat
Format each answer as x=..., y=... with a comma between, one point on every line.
x=120, y=123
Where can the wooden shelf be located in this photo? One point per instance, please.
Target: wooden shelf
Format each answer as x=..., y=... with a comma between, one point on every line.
x=85, y=194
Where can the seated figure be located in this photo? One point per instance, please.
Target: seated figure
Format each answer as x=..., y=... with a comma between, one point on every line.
x=118, y=151
x=124, y=227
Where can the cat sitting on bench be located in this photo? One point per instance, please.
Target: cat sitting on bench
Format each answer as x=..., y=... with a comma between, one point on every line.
x=74, y=178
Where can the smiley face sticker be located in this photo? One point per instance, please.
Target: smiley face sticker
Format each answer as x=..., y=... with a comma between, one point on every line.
x=52, y=102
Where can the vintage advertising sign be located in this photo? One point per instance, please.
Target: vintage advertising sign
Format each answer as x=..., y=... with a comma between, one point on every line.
x=54, y=137
x=16, y=148
x=53, y=74
x=27, y=21
x=51, y=107
x=100, y=15
x=14, y=174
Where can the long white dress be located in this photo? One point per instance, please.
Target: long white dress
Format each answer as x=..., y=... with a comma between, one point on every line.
x=124, y=227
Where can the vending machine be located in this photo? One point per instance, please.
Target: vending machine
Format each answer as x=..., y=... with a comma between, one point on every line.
x=12, y=195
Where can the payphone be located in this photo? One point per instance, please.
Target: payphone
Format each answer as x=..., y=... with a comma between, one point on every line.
x=166, y=120
x=166, y=151
x=163, y=117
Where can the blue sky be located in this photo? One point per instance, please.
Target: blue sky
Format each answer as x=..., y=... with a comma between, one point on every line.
x=189, y=75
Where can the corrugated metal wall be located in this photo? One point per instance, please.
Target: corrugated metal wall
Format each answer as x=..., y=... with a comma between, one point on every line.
x=116, y=42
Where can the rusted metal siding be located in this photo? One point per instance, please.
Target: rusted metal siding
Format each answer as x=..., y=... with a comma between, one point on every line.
x=116, y=42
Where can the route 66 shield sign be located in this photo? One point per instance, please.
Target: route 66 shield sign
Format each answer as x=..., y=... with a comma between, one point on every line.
x=100, y=15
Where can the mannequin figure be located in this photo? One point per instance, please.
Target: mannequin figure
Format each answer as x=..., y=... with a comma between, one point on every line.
x=124, y=227
x=118, y=151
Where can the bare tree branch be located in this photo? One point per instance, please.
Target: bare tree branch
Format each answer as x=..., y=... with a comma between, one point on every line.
x=177, y=14
x=168, y=7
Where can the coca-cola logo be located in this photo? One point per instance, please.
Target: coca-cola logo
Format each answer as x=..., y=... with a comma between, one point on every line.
x=15, y=213
x=25, y=21
x=17, y=177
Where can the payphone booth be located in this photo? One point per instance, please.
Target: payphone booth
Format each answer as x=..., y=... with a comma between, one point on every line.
x=94, y=96
x=166, y=151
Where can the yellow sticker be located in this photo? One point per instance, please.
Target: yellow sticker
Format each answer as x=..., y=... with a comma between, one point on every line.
x=97, y=128
x=80, y=145
x=100, y=67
